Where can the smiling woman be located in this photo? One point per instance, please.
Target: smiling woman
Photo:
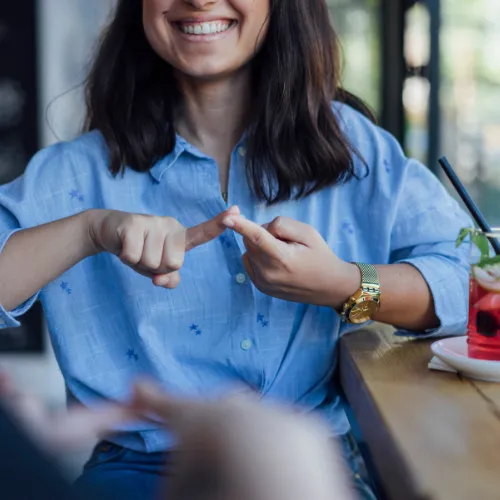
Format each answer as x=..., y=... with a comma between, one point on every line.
x=144, y=267
x=296, y=87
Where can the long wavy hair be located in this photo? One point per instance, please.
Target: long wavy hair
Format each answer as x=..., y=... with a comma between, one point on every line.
x=295, y=143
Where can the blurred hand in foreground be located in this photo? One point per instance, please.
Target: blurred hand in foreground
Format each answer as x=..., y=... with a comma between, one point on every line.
x=246, y=450
x=62, y=430
x=232, y=448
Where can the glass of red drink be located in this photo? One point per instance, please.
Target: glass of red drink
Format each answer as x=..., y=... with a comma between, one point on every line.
x=483, y=327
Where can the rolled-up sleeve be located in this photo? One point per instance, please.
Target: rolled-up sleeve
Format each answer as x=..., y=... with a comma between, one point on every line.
x=12, y=203
x=412, y=218
x=426, y=226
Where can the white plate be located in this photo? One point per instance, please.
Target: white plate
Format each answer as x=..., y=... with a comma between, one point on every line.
x=453, y=351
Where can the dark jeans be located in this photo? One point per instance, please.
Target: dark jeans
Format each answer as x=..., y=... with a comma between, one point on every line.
x=360, y=480
x=116, y=473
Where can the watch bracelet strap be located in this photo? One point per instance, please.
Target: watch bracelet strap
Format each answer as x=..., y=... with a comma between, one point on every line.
x=369, y=274
x=370, y=282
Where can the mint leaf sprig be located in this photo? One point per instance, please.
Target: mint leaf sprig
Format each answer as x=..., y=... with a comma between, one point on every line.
x=478, y=239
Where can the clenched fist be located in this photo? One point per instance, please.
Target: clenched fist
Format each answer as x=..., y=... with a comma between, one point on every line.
x=153, y=246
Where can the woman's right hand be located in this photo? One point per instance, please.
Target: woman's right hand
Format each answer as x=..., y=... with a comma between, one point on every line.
x=151, y=245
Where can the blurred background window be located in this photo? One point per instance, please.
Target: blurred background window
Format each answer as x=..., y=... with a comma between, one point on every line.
x=470, y=97
x=357, y=22
x=69, y=32
x=449, y=82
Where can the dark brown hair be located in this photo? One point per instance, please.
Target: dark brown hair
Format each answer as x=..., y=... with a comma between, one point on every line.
x=295, y=143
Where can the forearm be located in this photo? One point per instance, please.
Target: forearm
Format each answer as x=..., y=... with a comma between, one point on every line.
x=406, y=300
x=34, y=257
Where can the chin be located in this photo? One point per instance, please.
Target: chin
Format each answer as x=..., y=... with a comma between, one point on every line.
x=204, y=71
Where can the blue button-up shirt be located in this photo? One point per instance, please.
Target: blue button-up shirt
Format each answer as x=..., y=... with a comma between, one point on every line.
x=110, y=325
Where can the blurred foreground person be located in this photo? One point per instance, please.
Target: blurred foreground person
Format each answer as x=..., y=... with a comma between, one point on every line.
x=236, y=448
x=240, y=449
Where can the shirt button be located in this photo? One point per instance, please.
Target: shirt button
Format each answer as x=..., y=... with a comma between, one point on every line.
x=241, y=279
x=246, y=344
x=242, y=151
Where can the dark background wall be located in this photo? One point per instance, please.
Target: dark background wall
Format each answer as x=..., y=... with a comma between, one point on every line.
x=19, y=130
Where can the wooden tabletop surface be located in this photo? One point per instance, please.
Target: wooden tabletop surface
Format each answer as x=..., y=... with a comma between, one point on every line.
x=432, y=435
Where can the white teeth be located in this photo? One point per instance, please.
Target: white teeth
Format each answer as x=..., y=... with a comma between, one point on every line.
x=205, y=28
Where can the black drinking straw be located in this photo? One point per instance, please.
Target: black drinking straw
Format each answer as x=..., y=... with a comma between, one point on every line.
x=469, y=202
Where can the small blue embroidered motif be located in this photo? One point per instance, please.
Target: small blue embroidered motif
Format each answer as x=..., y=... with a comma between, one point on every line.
x=261, y=320
x=347, y=226
x=64, y=285
x=76, y=195
x=198, y=332
x=193, y=327
x=131, y=354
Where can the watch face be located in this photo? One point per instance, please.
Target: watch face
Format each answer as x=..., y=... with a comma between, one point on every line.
x=363, y=312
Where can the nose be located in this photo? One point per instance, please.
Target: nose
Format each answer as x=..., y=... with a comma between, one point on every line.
x=202, y=4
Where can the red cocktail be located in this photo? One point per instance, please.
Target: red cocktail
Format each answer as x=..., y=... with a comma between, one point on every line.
x=484, y=301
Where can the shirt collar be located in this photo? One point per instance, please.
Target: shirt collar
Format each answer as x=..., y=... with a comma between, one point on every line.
x=181, y=146
x=161, y=166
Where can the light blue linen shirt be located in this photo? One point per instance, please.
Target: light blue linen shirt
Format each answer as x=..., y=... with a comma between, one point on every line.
x=110, y=325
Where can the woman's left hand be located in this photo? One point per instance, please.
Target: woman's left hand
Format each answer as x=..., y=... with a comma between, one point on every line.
x=290, y=260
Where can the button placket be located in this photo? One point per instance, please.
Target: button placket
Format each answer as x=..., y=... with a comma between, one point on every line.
x=246, y=344
x=241, y=278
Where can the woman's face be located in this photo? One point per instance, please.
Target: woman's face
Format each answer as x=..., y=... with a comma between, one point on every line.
x=205, y=38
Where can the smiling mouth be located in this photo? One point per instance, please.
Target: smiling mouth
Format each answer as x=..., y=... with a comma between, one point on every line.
x=204, y=28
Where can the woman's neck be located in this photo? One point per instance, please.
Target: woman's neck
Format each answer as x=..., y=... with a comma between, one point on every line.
x=214, y=115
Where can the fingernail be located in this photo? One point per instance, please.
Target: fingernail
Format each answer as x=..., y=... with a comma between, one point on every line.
x=161, y=280
x=228, y=221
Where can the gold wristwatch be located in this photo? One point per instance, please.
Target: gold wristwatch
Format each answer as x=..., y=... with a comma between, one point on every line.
x=361, y=306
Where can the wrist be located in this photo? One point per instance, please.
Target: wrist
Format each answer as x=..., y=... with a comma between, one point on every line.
x=89, y=221
x=346, y=284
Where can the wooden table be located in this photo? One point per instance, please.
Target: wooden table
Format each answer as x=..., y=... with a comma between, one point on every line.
x=432, y=435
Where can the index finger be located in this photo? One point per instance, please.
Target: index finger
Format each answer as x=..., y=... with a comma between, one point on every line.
x=209, y=230
x=255, y=234
x=149, y=400
x=79, y=425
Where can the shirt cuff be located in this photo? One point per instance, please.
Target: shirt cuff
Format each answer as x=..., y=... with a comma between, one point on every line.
x=8, y=318
x=448, y=282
